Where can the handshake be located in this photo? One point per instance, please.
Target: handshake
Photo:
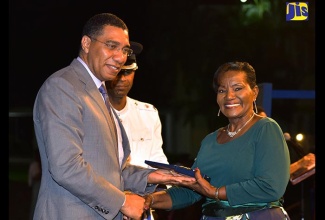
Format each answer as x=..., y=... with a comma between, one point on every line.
x=136, y=207
x=146, y=213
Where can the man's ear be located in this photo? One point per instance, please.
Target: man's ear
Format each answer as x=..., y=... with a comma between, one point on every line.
x=85, y=43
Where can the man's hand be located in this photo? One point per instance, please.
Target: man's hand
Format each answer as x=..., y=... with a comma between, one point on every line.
x=166, y=177
x=133, y=207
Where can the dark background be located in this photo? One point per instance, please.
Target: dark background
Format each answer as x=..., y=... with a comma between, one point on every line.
x=184, y=43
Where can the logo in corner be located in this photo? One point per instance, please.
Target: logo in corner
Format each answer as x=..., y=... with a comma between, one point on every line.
x=296, y=11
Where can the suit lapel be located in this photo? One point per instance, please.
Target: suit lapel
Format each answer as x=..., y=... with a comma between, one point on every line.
x=93, y=93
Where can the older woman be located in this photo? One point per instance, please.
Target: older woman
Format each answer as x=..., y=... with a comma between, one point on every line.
x=247, y=159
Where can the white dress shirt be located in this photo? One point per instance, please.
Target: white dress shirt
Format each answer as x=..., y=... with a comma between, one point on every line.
x=143, y=126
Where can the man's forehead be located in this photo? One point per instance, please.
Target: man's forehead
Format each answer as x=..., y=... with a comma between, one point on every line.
x=116, y=34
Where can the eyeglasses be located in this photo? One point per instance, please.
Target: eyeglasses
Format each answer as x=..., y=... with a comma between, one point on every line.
x=126, y=72
x=112, y=46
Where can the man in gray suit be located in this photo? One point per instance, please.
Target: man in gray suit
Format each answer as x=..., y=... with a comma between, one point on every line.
x=83, y=148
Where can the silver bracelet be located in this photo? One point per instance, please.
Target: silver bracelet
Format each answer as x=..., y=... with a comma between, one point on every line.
x=152, y=199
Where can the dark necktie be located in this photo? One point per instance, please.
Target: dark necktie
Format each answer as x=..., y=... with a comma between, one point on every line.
x=103, y=91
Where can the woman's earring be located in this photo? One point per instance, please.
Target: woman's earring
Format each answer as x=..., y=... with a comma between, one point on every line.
x=219, y=112
x=256, y=111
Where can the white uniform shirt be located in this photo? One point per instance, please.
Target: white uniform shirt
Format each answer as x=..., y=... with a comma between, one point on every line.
x=143, y=127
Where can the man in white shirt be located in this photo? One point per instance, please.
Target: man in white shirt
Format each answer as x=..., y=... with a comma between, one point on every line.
x=140, y=119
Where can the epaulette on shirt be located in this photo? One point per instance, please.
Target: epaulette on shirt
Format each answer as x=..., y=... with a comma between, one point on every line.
x=145, y=106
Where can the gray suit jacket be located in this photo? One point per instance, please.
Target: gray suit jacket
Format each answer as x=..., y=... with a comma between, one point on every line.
x=81, y=174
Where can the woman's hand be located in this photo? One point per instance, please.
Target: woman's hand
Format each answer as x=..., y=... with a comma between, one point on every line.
x=201, y=185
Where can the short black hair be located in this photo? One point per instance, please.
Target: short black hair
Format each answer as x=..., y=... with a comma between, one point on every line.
x=235, y=66
x=260, y=109
x=95, y=25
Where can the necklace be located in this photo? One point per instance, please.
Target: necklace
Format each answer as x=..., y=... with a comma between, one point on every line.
x=233, y=133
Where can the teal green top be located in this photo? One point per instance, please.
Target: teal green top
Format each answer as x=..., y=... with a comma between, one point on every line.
x=254, y=167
